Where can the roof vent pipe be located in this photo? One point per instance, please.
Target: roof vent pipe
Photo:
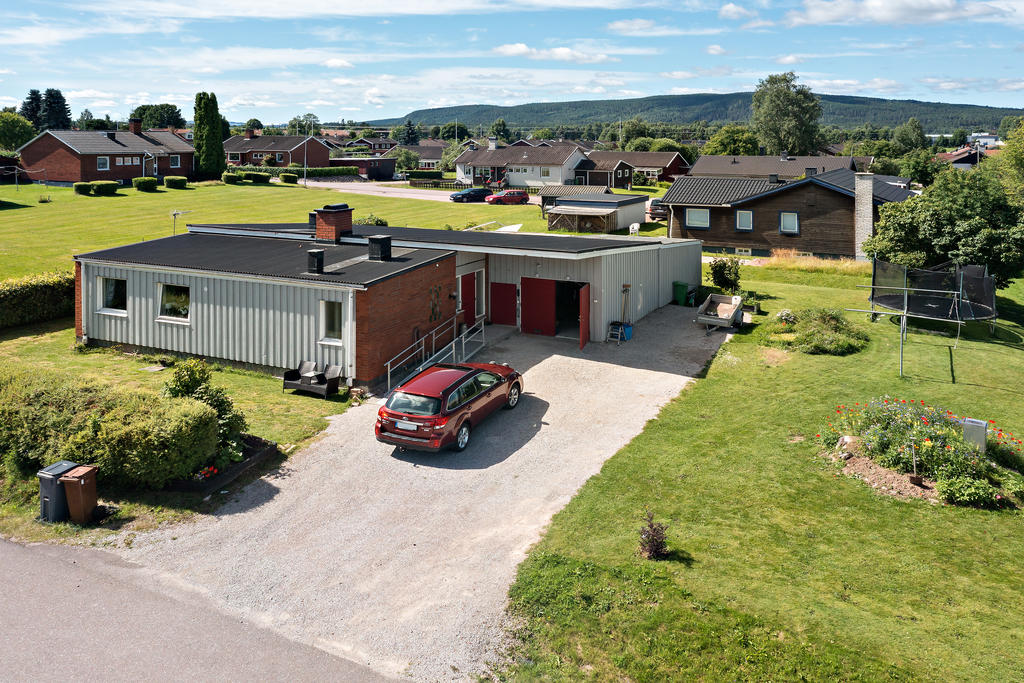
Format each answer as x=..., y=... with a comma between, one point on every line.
x=315, y=264
x=784, y=156
x=380, y=247
x=773, y=177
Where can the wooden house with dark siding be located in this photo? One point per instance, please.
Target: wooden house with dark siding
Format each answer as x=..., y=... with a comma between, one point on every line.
x=783, y=165
x=827, y=215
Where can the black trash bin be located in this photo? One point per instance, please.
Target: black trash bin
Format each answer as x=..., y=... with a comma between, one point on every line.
x=53, y=504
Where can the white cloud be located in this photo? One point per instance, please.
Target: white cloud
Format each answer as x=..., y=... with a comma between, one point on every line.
x=337, y=63
x=9, y=101
x=103, y=103
x=757, y=24
x=789, y=59
x=6, y=71
x=344, y=81
x=645, y=28
x=693, y=91
x=318, y=103
x=557, y=54
x=817, y=12
x=733, y=11
x=374, y=95
x=949, y=84
x=679, y=75
x=715, y=50
x=588, y=89
x=50, y=34
x=89, y=93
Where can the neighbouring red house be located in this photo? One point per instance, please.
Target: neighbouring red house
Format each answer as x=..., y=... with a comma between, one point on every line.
x=71, y=156
x=664, y=166
x=251, y=149
x=371, y=168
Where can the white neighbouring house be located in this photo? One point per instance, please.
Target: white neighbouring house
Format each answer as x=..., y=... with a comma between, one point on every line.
x=519, y=166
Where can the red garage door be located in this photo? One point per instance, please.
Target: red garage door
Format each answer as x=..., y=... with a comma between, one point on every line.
x=538, y=306
x=503, y=303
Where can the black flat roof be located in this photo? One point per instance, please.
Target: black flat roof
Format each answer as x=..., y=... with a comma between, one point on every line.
x=344, y=264
x=526, y=241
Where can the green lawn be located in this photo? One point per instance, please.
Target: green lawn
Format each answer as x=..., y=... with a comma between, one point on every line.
x=37, y=237
x=781, y=568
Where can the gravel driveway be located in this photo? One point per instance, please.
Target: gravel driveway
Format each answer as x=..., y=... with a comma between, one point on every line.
x=402, y=561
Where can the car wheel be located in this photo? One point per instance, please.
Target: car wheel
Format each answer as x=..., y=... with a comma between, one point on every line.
x=461, y=438
x=513, y=397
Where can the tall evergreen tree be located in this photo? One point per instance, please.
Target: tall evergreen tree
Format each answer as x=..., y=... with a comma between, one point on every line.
x=55, y=114
x=207, y=136
x=785, y=115
x=32, y=107
x=412, y=133
x=499, y=129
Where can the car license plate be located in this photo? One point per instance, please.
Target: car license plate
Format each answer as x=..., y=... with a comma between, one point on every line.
x=405, y=424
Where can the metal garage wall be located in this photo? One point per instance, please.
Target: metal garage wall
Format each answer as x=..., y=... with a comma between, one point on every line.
x=637, y=268
x=249, y=321
x=680, y=261
x=468, y=261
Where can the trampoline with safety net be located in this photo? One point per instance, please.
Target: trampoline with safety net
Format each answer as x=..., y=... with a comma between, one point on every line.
x=949, y=292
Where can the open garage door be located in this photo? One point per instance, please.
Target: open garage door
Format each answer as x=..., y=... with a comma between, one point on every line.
x=584, y=314
x=538, y=306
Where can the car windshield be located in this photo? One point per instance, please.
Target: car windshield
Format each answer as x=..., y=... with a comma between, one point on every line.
x=413, y=404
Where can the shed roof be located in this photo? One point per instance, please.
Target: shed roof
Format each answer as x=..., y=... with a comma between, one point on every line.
x=118, y=142
x=345, y=264
x=614, y=200
x=581, y=210
x=569, y=190
x=711, y=191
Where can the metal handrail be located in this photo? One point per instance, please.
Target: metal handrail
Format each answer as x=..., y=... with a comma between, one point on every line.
x=457, y=344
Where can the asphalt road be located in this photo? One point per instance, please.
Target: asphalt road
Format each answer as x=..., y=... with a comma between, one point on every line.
x=394, y=190
x=78, y=614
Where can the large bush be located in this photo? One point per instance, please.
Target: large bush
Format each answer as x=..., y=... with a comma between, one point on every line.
x=288, y=178
x=257, y=178
x=909, y=436
x=229, y=178
x=144, y=184
x=818, y=331
x=191, y=379
x=177, y=182
x=82, y=188
x=36, y=298
x=725, y=273
x=135, y=438
x=105, y=188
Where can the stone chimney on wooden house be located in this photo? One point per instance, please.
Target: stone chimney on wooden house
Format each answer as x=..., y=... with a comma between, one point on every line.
x=863, y=211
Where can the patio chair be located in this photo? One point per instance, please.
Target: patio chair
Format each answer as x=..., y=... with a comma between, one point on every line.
x=325, y=383
x=296, y=379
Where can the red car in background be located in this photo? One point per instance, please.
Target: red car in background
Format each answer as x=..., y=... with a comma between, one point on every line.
x=439, y=407
x=509, y=197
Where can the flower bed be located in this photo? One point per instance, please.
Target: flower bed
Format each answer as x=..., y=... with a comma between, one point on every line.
x=910, y=436
x=814, y=331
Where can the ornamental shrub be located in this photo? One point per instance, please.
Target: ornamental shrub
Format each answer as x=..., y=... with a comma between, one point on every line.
x=967, y=491
x=229, y=178
x=653, y=538
x=370, y=219
x=257, y=178
x=82, y=188
x=191, y=379
x=289, y=178
x=725, y=273
x=639, y=178
x=177, y=182
x=137, y=439
x=36, y=298
x=145, y=184
x=105, y=188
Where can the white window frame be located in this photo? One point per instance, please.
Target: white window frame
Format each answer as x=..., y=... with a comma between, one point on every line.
x=782, y=223
x=119, y=161
x=481, y=294
x=545, y=172
x=174, y=320
x=234, y=156
x=743, y=251
x=707, y=222
x=102, y=163
x=101, y=288
x=748, y=213
x=280, y=156
x=175, y=161
x=651, y=173
x=324, y=339
x=135, y=161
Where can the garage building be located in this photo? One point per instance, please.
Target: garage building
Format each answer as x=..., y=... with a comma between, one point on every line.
x=597, y=212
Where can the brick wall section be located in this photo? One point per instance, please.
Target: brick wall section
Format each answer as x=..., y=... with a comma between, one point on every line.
x=826, y=223
x=78, y=299
x=58, y=160
x=389, y=314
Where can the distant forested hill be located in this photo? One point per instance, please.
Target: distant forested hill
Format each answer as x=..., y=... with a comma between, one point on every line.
x=839, y=110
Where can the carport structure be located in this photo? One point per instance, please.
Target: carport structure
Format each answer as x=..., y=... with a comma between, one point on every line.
x=556, y=285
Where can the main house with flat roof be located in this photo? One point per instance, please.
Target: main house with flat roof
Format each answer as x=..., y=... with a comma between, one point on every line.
x=275, y=294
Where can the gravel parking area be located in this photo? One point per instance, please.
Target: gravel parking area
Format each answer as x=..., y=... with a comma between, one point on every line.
x=402, y=561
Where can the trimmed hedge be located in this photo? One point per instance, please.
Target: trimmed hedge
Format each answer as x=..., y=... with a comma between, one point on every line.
x=323, y=172
x=105, y=188
x=36, y=298
x=427, y=175
x=145, y=184
x=137, y=439
x=82, y=188
x=289, y=178
x=257, y=178
x=229, y=178
x=175, y=182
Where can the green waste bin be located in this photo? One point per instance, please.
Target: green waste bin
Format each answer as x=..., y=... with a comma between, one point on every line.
x=679, y=292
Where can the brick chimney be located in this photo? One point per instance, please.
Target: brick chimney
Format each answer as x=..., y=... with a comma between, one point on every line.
x=135, y=126
x=492, y=143
x=332, y=222
x=249, y=133
x=863, y=211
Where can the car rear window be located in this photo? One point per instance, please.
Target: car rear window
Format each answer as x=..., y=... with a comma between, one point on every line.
x=413, y=404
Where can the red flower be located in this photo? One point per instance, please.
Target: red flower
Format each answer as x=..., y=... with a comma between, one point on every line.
x=992, y=422
x=818, y=435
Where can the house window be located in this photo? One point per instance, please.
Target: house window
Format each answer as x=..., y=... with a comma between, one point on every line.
x=545, y=172
x=188, y=136
x=115, y=295
x=745, y=221
x=119, y=161
x=280, y=156
x=233, y=156
x=135, y=161
x=257, y=155
x=102, y=163
x=651, y=174
x=332, y=329
x=175, y=161
x=175, y=302
x=698, y=218
x=789, y=223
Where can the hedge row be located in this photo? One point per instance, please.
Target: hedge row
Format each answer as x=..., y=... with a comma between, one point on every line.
x=324, y=172
x=175, y=182
x=100, y=188
x=289, y=178
x=229, y=178
x=36, y=298
x=427, y=175
x=137, y=439
x=144, y=184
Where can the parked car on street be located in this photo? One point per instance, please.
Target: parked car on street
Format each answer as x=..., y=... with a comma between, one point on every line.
x=657, y=211
x=439, y=407
x=473, y=194
x=509, y=197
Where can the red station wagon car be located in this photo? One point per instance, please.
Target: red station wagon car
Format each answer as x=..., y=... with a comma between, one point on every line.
x=439, y=407
x=509, y=197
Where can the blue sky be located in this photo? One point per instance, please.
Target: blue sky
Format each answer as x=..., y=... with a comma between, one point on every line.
x=365, y=60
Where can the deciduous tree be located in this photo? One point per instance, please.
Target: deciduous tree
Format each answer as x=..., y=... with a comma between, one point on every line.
x=453, y=131
x=254, y=123
x=500, y=130
x=921, y=166
x=15, y=131
x=732, y=139
x=785, y=115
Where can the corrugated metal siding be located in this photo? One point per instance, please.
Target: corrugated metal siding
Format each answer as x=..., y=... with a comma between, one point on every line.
x=679, y=263
x=264, y=323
